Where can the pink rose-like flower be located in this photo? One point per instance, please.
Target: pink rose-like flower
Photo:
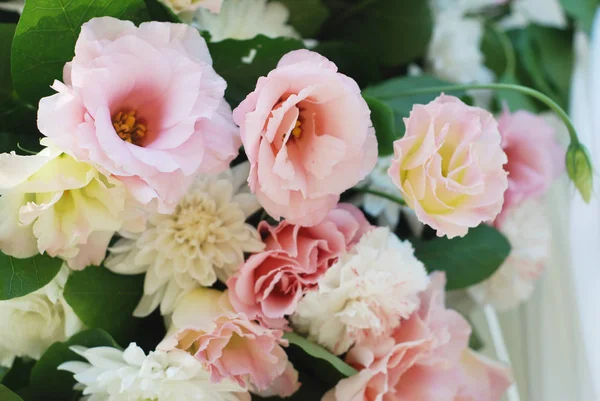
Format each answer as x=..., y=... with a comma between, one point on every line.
x=534, y=157
x=143, y=104
x=448, y=165
x=425, y=359
x=229, y=345
x=270, y=284
x=308, y=135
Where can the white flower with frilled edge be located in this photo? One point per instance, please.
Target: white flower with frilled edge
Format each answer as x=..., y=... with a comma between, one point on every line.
x=366, y=292
x=14, y=5
x=204, y=239
x=243, y=19
x=131, y=375
x=540, y=12
x=31, y=323
x=53, y=204
x=183, y=6
x=528, y=230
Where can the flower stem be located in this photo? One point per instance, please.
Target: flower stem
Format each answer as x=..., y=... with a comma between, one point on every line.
x=497, y=86
x=392, y=198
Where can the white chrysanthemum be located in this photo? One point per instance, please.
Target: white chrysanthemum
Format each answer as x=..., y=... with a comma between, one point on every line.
x=243, y=19
x=204, y=238
x=365, y=293
x=528, y=230
x=15, y=5
x=130, y=375
x=53, y=204
x=387, y=211
x=31, y=323
x=540, y=12
x=454, y=52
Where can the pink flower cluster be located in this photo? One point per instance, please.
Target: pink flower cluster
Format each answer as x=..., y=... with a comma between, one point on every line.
x=425, y=359
x=270, y=284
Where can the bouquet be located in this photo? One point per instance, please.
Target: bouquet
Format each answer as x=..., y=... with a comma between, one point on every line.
x=229, y=200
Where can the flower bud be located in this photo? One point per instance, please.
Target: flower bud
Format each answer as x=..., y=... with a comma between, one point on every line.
x=579, y=168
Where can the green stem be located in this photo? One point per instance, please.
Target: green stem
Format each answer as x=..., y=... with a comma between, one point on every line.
x=527, y=91
x=392, y=198
x=507, y=47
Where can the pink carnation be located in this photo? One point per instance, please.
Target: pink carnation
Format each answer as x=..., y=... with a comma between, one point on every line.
x=308, y=135
x=534, y=157
x=143, y=104
x=229, y=345
x=448, y=165
x=425, y=359
x=270, y=284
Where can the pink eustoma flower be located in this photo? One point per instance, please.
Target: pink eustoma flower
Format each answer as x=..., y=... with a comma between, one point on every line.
x=143, y=104
x=308, y=135
x=269, y=285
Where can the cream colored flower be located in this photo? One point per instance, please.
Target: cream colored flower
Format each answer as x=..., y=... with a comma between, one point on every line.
x=366, y=293
x=243, y=19
x=31, y=323
x=528, y=230
x=131, y=375
x=53, y=204
x=204, y=238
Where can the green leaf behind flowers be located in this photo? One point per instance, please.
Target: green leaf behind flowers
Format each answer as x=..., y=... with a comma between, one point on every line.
x=242, y=62
x=391, y=91
x=46, y=35
x=19, y=277
x=382, y=117
x=47, y=383
x=105, y=300
x=319, y=352
x=306, y=16
x=7, y=395
x=392, y=32
x=468, y=260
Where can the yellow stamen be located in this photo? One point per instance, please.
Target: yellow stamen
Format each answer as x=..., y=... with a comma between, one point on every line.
x=129, y=128
x=297, y=131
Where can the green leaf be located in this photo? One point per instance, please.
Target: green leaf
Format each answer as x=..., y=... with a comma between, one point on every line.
x=46, y=35
x=7, y=395
x=582, y=11
x=17, y=377
x=514, y=99
x=382, y=117
x=242, y=62
x=317, y=351
x=306, y=16
x=352, y=61
x=468, y=260
x=390, y=93
x=392, y=32
x=7, y=31
x=161, y=12
x=105, y=300
x=497, y=50
x=50, y=384
x=20, y=277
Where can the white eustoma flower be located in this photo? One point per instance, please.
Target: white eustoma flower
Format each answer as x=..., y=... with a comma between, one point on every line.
x=131, y=375
x=204, y=239
x=528, y=230
x=31, y=323
x=387, y=211
x=53, y=204
x=454, y=53
x=15, y=5
x=540, y=12
x=463, y=6
x=366, y=292
x=243, y=19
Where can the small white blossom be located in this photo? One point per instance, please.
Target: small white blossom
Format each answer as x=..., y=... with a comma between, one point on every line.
x=31, y=323
x=540, y=12
x=528, y=230
x=243, y=19
x=114, y=375
x=15, y=5
x=204, y=239
x=454, y=52
x=367, y=292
